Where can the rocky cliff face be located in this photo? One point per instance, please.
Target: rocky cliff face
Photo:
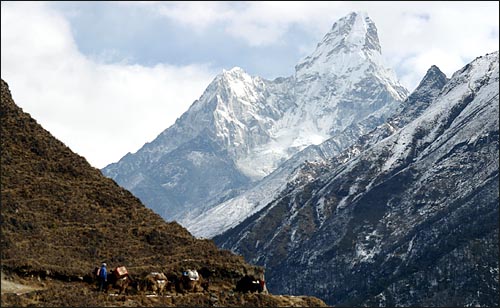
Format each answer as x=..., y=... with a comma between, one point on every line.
x=407, y=216
x=243, y=128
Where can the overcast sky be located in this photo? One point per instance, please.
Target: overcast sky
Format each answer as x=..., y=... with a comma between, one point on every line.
x=107, y=77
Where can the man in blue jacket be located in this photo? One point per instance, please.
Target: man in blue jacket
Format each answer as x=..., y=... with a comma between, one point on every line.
x=103, y=276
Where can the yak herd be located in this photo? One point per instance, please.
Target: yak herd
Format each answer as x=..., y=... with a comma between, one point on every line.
x=158, y=283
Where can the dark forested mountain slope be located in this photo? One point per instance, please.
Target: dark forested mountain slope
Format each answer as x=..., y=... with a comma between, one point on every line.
x=408, y=216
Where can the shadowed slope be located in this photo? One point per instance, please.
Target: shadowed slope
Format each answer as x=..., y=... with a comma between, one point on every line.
x=60, y=218
x=61, y=215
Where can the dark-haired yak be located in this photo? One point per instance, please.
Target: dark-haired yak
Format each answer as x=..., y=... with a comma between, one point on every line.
x=250, y=284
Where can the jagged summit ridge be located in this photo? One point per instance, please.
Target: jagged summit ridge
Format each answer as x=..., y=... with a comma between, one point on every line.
x=352, y=40
x=356, y=31
x=432, y=74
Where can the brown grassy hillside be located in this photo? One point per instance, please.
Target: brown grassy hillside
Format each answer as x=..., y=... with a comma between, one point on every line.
x=61, y=217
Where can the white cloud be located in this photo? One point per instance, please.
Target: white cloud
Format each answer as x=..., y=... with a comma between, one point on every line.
x=101, y=111
x=463, y=30
x=198, y=15
x=104, y=109
x=446, y=34
x=257, y=23
x=421, y=62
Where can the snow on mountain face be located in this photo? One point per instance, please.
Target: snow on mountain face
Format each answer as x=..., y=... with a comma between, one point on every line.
x=351, y=40
x=335, y=92
x=255, y=125
x=342, y=82
x=233, y=211
x=411, y=219
x=230, y=213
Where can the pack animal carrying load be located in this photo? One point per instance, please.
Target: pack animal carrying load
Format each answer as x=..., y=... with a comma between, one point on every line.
x=156, y=282
x=121, y=271
x=157, y=276
x=191, y=274
x=120, y=279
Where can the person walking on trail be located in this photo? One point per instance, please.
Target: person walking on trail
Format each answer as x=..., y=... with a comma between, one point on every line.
x=103, y=276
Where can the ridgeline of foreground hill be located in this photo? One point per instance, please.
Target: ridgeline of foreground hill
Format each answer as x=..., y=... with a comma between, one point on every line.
x=61, y=218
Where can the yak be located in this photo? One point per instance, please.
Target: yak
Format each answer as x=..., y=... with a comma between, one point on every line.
x=120, y=279
x=250, y=284
x=191, y=281
x=155, y=282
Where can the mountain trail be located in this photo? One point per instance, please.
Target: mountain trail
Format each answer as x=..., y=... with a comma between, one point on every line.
x=10, y=286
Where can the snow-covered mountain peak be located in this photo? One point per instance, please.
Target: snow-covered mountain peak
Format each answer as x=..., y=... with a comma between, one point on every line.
x=433, y=81
x=351, y=41
x=432, y=74
x=354, y=31
x=236, y=83
x=234, y=71
x=249, y=126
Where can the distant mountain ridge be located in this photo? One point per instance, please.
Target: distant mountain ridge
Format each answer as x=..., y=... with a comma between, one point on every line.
x=407, y=216
x=243, y=128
